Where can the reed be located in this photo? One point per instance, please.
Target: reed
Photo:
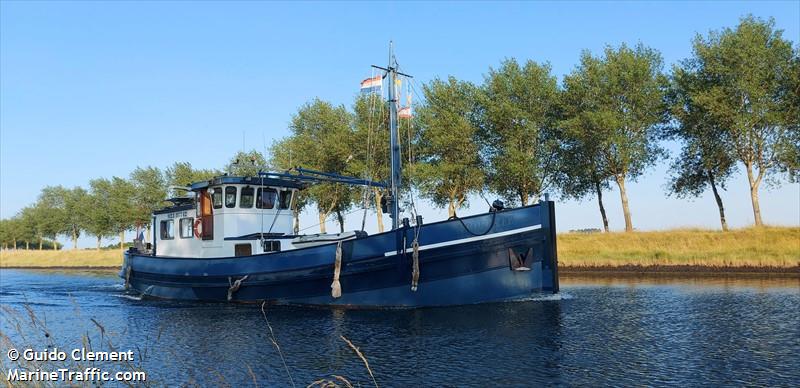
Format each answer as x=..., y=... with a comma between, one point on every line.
x=764, y=247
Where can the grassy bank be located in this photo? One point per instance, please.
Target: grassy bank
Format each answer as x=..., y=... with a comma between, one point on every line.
x=89, y=258
x=770, y=247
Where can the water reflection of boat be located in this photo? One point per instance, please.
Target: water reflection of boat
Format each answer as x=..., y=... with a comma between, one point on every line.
x=233, y=240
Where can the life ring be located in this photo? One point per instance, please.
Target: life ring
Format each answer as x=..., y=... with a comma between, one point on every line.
x=197, y=227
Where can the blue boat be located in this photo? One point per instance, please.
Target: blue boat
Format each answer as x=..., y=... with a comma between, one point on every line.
x=232, y=239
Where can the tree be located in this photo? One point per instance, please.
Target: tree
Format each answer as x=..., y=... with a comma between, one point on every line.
x=76, y=209
x=150, y=193
x=704, y=162
x=5, y=233
x=99, y=210
x=518, y=110
x=747, y=75
x=371, y=148
x=28, y=226
x=50, y=213
x=449, y=167
x=122, y=209
x=246, y=163
x=33, y=221
x=183, y=174
x=322, y=139
x=16, y=231
x=615, y=106
x=583, y=172
x=112, y=211
x=281, y=160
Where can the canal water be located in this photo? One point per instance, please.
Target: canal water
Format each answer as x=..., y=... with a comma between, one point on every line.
x=599, y=331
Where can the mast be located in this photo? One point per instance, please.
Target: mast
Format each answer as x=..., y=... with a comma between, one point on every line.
x=394, y=144
x=394, y=141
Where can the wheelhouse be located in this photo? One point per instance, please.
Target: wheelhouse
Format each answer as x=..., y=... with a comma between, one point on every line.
x=228, y=216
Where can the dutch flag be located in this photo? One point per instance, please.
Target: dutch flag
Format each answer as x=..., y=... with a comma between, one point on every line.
x=371, y=85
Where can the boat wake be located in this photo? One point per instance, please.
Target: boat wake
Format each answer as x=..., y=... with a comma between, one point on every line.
x=137, y=297
x=546, y=298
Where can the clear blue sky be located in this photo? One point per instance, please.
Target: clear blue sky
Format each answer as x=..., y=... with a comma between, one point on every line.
x=94, y=89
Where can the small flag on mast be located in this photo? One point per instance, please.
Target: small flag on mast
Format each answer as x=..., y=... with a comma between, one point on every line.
x=405, y=112
x=371, y=85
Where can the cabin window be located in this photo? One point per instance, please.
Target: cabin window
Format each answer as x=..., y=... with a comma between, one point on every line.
x=167, y=229
x=216, y=197
x=230, y=196
x=240, y=250
x=186, y=227
x=286, y=199
x=246, y=200
x=271, y=245
x=266, y=198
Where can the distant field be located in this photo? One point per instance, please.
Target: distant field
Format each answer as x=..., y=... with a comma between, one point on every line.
x=775, y=247
x=62, y=258
x=769, y=247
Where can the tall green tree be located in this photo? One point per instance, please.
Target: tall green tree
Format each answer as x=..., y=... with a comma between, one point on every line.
x=583, y=173
x=371, y=147
x=28, y=226
x=616, y=106
x=99, y=209
x=280, y=159
x=449, y=166
x=5, y=234
x=17, y=231
x=704, y=162
x=183, y=174
x=747, y=75
x=322, y=139
x=246, y=163
x=122, y=208
x=150, y=193
x=76, y=210
x=51, y=214
x=32, y=220
x=518, y=108
x=112, y=210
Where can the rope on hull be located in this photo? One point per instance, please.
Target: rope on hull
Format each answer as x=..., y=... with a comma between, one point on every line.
x=415, y=269
x=235, y=286
x=128, y=277
x=336, y=287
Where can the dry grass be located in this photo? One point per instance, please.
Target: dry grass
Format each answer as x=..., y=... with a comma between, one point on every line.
x=89, y=258
x=777, y=247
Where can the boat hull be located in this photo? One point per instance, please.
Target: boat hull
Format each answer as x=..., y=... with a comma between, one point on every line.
x=491, y=257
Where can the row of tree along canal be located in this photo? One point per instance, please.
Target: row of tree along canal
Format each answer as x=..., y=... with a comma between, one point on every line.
x=734, y=104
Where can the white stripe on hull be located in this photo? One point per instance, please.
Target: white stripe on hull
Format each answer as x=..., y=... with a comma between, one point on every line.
x=469, y=239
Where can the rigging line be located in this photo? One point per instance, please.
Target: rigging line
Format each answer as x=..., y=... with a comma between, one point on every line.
x=276, y=213
x=319, y=223
x=261, y=190
x=258, y=199
x=367, y=166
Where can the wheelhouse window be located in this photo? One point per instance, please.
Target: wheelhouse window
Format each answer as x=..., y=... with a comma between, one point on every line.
x=186, y=227
x=216, y=197
x=167, y=229
x=265, y=199
x=230, y=196
x=246, y=200
x=286, y=199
